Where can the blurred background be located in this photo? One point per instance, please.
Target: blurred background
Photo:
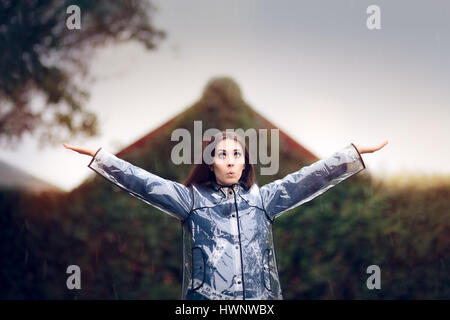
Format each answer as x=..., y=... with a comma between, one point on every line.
x=136, y=70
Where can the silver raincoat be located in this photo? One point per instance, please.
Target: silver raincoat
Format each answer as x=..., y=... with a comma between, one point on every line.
x=228, y=246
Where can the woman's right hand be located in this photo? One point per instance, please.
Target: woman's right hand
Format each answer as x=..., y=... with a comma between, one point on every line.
x=87, y=151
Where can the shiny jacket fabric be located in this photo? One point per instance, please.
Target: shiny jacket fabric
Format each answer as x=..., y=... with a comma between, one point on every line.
x=228, y=246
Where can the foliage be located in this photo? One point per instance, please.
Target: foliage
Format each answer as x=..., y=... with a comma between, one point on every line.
x=128, y=250
x=42, y=57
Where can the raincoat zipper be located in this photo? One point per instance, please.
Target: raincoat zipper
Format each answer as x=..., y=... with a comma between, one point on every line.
x=240, y=245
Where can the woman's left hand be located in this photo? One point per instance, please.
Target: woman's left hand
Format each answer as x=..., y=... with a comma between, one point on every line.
x=362, y=149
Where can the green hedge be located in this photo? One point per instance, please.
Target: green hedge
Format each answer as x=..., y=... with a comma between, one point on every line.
x=129, y=250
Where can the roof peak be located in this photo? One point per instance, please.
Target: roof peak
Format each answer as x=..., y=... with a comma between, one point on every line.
x=224, y=87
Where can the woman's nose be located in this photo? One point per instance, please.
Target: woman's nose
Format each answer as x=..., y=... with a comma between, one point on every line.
x=230, y=161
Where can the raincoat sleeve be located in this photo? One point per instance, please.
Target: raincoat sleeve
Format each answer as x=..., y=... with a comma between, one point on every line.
x=171, y=197
x=310, y=181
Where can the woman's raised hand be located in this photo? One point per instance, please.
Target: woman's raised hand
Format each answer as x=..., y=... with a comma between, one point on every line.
x=362, y=149
x=87, y=151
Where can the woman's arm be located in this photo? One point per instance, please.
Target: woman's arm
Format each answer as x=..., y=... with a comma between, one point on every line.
x=310, y=181
x=170, y=197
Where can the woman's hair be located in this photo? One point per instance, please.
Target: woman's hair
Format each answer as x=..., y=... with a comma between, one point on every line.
x=202, y=175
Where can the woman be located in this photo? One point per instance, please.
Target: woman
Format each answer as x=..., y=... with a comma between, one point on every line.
x=226, y=218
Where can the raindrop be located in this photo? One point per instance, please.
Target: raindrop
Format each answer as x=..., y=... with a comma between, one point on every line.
x=118, y=244
x=115, y=292
x=26, y=257
x=437, y=286
x=438, y=40
x=45, y=268
x=124, y=246
x=391, y=240
x=331, y=288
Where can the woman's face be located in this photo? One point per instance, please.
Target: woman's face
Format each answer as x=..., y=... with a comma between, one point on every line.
x=229, y=162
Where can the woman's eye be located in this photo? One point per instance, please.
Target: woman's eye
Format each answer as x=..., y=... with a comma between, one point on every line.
x=221, y=155
x=237, y=154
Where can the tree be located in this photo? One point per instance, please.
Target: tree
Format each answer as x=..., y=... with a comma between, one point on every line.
x=40, y=55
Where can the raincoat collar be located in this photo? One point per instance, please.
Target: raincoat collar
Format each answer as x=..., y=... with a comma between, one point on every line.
x=226, y=188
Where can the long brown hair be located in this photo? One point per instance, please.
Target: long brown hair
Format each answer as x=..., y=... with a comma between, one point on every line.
x=202, y=175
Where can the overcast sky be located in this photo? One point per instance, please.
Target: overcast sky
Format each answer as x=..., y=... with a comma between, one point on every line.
x=313, y=68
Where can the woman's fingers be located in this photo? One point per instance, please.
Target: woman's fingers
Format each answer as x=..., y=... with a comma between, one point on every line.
x=382, y=145
x=67, y=146
x=81, y=150
x=372, y=149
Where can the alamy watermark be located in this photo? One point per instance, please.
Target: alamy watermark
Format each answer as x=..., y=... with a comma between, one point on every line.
x=374, y=281
x=374, y=20
x=74, y=20
x=74, y=280
x=257, y=146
